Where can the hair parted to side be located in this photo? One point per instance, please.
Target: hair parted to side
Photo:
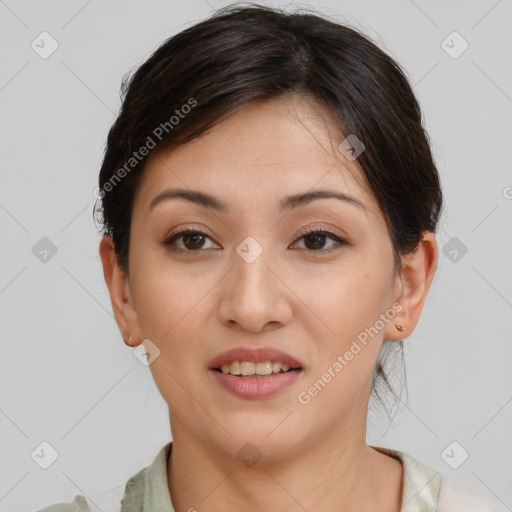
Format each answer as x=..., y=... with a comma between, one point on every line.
x=249, y=52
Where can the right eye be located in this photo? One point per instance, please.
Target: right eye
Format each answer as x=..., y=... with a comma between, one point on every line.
x=192, y=240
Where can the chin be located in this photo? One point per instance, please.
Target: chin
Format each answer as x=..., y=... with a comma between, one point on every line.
x=266, y=439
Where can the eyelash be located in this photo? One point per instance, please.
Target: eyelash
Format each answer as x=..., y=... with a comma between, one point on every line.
x=170, y=240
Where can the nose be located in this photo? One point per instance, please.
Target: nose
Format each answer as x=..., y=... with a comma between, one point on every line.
x=254, y=296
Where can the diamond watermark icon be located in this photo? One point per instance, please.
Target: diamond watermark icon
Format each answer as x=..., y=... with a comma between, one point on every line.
x=454, y=249
x=454, y=45
x=249, y=454
x=454, y=455
x=249, y=249
x=352, y=147
x=146, y=352
x=44, y=45
x=44, y=455
x=44, y=250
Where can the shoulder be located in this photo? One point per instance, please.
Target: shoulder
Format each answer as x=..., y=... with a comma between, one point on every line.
x=79, y=504
x=427, y=489
x=453, y=497
x=148, y=487
x=106, y=501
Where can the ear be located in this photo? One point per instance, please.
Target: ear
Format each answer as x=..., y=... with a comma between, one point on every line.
x=118, y=284
x=418, y=269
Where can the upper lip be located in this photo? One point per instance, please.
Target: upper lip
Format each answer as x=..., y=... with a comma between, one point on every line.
x=255, y=355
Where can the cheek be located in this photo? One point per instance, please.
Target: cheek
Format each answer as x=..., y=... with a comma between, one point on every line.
x=346, y=346
x=347, y=307
x=167, y=296
x=346, y=298
x=174, y=307
x=172, y=310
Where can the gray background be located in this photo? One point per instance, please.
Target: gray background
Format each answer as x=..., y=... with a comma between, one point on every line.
x=66, y=376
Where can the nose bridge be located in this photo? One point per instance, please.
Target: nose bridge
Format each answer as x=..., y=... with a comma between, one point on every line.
x=254, y=296
x=251, y=272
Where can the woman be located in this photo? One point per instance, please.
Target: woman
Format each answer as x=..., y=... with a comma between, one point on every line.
x=269, y=204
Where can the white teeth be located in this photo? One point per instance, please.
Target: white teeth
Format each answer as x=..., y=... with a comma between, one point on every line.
x=234, y=368
x=264, y=368
x=247, y=368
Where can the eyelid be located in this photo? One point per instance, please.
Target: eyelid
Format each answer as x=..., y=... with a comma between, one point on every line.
x=329, y=230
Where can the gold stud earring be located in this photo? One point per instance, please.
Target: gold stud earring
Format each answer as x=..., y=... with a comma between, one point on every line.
x=399, y=327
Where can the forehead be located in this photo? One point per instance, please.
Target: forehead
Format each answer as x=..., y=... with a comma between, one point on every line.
x=281, y=146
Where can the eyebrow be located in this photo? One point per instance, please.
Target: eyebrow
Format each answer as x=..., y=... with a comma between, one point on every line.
x=293, y=201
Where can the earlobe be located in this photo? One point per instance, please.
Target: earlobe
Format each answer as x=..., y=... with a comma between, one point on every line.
x=418, y=270
x=119, y=288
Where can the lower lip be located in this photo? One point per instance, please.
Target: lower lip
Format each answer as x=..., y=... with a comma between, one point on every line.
x=255, y=388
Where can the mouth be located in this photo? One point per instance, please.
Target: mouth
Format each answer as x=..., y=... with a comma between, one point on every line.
x=259, y=370
x=255, y=373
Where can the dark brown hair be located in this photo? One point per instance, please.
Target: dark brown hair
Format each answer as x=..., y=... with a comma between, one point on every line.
x=247, y=53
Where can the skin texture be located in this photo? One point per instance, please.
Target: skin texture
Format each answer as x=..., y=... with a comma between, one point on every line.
x=310, y=304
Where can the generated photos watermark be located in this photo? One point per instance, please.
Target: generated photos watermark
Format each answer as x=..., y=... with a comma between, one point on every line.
x=150, y=143
x=305, y=397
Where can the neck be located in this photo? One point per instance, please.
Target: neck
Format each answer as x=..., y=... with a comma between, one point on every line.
x=352, y=477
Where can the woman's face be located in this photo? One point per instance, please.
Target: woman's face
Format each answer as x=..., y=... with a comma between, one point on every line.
x=255, y=281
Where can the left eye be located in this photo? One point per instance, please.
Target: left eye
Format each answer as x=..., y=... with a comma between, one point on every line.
x=318, y=238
